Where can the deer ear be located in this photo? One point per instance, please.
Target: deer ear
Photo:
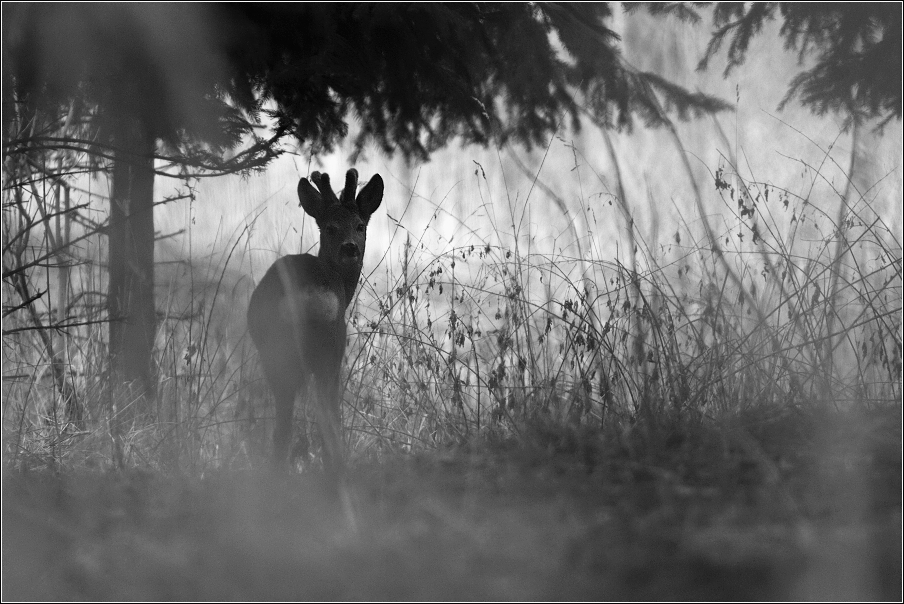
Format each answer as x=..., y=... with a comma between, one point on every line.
x=370, y=197
x=310, y=199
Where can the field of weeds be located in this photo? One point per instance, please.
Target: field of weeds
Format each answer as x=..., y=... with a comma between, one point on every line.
x=711, y=415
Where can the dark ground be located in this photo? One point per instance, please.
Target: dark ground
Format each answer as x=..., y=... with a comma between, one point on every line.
x=572, y=516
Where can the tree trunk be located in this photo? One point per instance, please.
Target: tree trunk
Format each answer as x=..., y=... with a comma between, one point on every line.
x=131, y=260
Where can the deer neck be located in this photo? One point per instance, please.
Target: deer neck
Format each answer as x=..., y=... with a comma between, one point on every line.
x=349, y=275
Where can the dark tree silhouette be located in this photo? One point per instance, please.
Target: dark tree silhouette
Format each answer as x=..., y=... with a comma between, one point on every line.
x=188, y=85
x=148, y=86
x=857, y=47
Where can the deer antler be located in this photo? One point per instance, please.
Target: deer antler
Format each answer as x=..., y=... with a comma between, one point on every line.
x=326, y=190
x=351, y=184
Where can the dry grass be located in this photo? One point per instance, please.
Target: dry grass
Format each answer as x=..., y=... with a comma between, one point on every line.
x=716, y=416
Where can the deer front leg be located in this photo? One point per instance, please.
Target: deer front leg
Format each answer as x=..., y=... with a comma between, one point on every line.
x=329, y=420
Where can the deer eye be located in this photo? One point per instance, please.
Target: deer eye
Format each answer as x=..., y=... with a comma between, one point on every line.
x=361, y=228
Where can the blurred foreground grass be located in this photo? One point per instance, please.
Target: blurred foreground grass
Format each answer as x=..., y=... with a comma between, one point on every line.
x=561, y=513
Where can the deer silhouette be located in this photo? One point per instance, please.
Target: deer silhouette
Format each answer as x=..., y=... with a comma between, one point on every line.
x=296, y=316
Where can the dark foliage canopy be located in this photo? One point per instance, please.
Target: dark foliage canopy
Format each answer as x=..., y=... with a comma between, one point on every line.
x=412, y=77
x=857, y=48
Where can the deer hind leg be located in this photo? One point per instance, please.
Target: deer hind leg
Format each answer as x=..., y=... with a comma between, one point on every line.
x=285, y=376
x=302, y=446
x=284, y=399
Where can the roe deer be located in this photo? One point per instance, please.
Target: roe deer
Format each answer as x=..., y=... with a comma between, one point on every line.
x=297, y=312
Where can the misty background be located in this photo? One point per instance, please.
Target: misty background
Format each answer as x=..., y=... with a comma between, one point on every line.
x=560, y=198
